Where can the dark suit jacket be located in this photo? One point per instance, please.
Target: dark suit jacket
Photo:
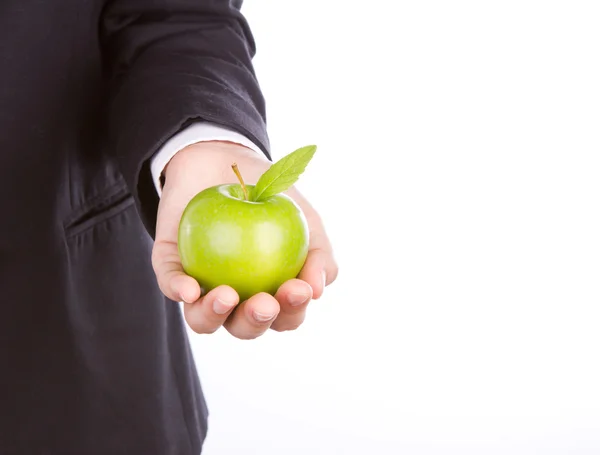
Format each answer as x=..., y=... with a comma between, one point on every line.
x=93, y=359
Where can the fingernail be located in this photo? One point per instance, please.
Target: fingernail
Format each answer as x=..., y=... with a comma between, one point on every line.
x=262, y=317
x=297, y=299
x=222, y=307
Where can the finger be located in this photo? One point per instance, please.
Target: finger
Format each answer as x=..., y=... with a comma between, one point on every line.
x=293, y=297
x=320, y=245
x=314, y=272
x=210, y=312
x=172, y=280
x=320, y=268
x=253, y=317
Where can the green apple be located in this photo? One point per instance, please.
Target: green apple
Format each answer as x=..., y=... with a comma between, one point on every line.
x=250, y=237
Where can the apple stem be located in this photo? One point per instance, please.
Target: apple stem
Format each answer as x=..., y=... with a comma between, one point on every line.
x=234, y=166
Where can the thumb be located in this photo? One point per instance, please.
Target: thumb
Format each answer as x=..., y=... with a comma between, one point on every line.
x=172, y=280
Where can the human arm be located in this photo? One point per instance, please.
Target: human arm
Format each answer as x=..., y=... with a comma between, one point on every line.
x=171, y=64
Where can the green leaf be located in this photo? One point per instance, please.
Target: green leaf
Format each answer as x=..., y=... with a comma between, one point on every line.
x=283, y=174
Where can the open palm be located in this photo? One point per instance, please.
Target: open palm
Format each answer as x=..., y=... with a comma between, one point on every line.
x=204, y=165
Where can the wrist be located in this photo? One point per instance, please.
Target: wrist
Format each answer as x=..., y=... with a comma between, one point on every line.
x=214, y=156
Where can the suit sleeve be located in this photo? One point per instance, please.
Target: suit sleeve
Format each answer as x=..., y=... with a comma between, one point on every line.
x=171, y=63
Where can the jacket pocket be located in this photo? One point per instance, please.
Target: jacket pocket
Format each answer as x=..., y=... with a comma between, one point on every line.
x=98, y=210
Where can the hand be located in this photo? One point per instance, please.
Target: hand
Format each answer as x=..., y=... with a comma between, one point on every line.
x=192, y=170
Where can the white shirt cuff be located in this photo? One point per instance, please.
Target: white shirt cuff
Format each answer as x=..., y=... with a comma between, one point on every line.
x=197, y=132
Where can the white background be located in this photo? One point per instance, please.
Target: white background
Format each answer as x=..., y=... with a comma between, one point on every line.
x=459, y=178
